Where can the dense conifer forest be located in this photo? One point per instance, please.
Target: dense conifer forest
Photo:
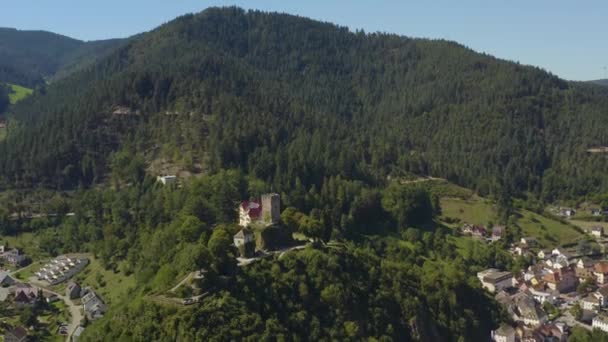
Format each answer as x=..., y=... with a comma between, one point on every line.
x=333, y=120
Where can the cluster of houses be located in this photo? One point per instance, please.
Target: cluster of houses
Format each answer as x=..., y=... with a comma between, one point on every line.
x=554, y=278
x=263, y=212
x=61, y=269
x=477, y=231
x=12, y=256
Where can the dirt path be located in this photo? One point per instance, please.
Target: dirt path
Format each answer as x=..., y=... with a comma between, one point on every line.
x=188, y=277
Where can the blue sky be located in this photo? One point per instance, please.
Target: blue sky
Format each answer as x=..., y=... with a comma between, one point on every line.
x=567, y=38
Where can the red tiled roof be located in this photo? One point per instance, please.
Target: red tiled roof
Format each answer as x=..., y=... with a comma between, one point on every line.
x=253, y=208
x=601, y=267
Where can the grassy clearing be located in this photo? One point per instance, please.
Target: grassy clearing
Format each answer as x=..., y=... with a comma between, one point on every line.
x=587, y=225
x=19, y=93
x=112, y=287
x=548, y=230
x=476, y=210
x=26, y=242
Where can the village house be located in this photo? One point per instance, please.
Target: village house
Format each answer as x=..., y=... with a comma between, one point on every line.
x=494, y=280
x=93, y=306
x=243, y=237
x=529, y=241
x=266, y=211
x=528, y=311
x=600, y=272
x=552, y=332
x=504, y=333
x=590, y=302
x=497, y=233
x=597, y=232
x=584, y=269
x=77, y=333
x=167, y=180
x=544, y=296
x=543, y=254
x=17, y=334
x=600, y=322
x=13, y=256
x=602, y=295
x=596, y=211
x=520, y=249
x=563, y=280
x=567, y=212
x=5, y=279
x=72, y=291
x=244, y=240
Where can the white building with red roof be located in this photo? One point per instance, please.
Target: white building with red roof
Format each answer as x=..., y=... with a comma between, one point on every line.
x=249, y=211
x=267, y=210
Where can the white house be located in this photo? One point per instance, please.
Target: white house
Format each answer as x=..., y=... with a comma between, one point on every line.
x=504, y=333
x=600, y=271
x=171, y=179
x=528, y=240
x=590, y=303
x=597, y=231
x=602, y=295
x=243, y=237
x=600, y=322
x=494, y=280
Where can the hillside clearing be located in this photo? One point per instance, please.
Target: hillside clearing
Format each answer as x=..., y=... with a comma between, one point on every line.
x=19, y=93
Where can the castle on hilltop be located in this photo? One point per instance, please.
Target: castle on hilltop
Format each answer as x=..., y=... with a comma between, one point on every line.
x=266, y=211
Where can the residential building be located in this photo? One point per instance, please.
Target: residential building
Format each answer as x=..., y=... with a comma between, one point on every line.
x=504, y=333
x=596, y=211
x=528, y=311
x=17, y=334
x=590, y=303
x=600, y=271
x=93, y=306
x=73, y=290
x=498, y=232
x=167, y=180
x=602, y=295
x=543, y=254
x=567, y=212
x=600, y=322
x=494, y=280
x=243, y=237
x=597, y=232
x=13, y=257
x=6, y=279
x=529, y=241
x=77, y=333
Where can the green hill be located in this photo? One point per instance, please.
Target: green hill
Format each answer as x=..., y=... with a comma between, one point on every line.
x=291, y=99
x=28, y=58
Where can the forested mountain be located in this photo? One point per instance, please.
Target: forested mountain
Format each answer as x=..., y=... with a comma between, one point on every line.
x=603, y=82
x=29, y=57
x=293, y=101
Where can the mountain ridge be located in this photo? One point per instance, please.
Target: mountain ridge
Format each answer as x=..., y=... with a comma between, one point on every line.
x=289, y=71
x=31, y=57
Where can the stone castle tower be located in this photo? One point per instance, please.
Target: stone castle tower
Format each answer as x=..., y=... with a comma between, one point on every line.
x=271, y=208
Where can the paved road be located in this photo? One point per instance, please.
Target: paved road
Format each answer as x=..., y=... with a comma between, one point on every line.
x=74, y=309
